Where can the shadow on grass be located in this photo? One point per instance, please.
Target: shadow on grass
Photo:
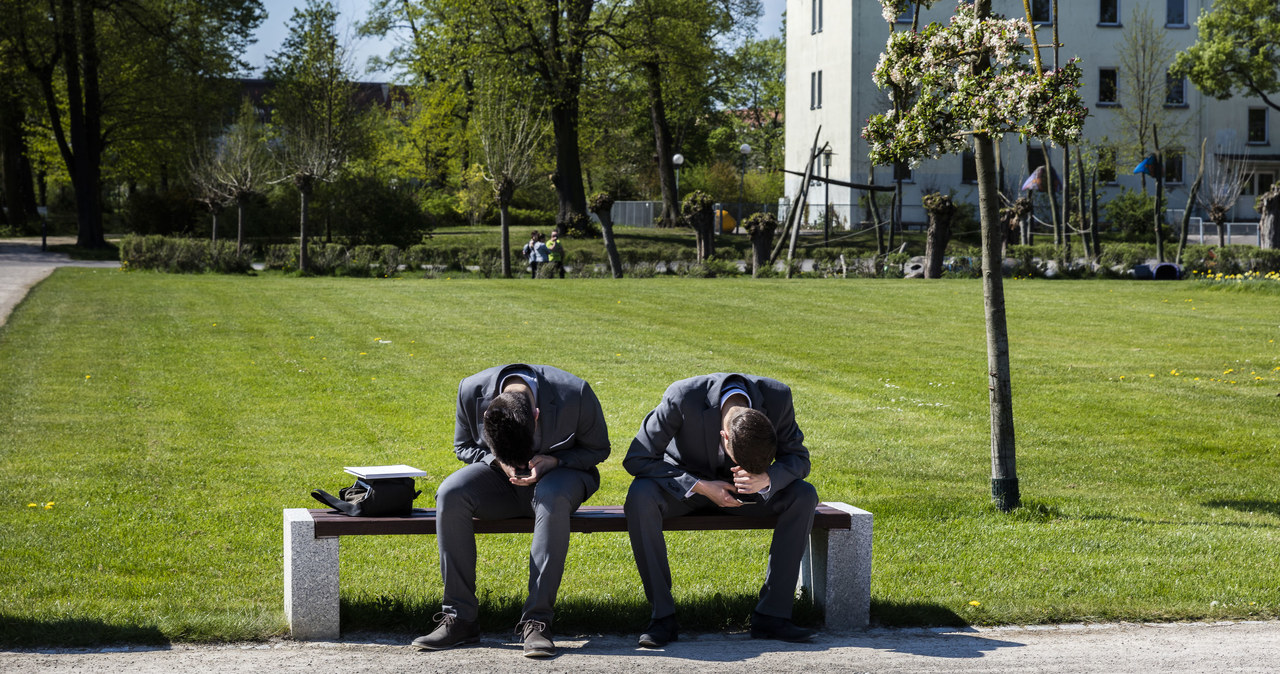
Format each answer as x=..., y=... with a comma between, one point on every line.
x=1247, y=506
x=914, y=614
x=75, y=633
x=716, y=613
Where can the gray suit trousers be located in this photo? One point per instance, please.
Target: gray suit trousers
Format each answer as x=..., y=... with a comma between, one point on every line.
x=483, y=492
x=648, y=504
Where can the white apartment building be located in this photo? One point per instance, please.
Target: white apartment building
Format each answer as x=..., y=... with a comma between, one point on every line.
x=833, y=47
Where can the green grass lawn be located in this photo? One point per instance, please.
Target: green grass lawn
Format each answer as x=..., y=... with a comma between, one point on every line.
x=169, y=419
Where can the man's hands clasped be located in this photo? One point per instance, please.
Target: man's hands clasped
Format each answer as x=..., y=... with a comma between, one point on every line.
x=725, y=495
x=539, y=465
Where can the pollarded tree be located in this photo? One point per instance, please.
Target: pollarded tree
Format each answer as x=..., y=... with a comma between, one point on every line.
x=233, y=167
x=511, y=133
x=1237, y=50
x=971, y=77
x=317, y=123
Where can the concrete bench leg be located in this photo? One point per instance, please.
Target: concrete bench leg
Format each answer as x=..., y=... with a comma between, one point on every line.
x=837, y=571
x=310, y=579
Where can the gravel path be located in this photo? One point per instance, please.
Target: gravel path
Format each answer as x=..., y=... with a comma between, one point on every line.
x=1178, y=647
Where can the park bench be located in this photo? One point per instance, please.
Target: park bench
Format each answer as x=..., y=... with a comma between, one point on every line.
x=836, y=570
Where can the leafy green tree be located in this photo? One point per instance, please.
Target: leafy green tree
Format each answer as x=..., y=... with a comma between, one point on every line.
x=121, y=74
x=1237, y=50
x=1145, y=56
x=670, y=42
x=317, y=123
x=971, y=78
x=545, y=43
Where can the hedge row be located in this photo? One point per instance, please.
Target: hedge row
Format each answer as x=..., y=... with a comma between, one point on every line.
x=180, y=255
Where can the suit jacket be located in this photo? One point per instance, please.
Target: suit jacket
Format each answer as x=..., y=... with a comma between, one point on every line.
x=570, y=421
x=679, y=441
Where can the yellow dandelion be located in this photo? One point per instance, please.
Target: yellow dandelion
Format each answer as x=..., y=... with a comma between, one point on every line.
x=312, y=337
x=87, y=376
x=48, y=506
x=1122, y=376
x=32, y=505
x=1151, y=375
x=975, y=603
x=363, y=353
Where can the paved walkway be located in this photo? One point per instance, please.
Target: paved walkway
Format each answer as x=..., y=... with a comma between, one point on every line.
x=1198, y=647
x=23, y=264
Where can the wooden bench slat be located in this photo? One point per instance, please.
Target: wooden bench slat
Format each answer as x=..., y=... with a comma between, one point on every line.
x=588, y=519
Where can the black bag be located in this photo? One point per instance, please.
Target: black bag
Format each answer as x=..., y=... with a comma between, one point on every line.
x=384, y=497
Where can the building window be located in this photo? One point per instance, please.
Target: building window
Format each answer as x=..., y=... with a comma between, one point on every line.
x=1258, y=126
x=815, y=90
x=1108, y=87
x=1109, y=12
x=816, y=25
x=907, y=15
x=968, y=168
x=1041, y=11
x=1173, y=167
x=1176, y=14
x=1175, y=92
x=1107, y=165
x=1259, y=183
x=902, y=172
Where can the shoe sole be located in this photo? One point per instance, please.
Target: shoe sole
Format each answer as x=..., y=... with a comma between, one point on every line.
x=539, y=653
x=464, y=642
x=654, y=643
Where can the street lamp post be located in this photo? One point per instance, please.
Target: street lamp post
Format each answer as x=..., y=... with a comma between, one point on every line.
x=826, y=197
x=742, y=184
x=678, y=161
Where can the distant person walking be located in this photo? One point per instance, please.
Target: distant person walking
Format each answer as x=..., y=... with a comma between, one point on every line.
x=536, y=252
x=555, y=254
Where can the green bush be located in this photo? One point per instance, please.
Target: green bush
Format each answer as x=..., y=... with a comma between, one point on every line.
x=1126, y=254
x=182, y=255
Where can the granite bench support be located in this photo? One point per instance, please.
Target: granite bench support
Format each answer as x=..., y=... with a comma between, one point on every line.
x=836, y=570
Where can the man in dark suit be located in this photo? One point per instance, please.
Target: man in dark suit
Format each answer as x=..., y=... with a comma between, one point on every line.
x=531, y=436
x=728, y=443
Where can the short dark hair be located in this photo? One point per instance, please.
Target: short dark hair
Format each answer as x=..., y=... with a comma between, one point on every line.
x=508, y=428
x=752, y=440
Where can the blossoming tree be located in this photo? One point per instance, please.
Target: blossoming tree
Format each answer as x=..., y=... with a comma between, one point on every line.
x=974, y=77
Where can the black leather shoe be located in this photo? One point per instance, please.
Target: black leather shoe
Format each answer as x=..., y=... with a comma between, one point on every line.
x=537, y=639
x=771, y=627
x=660, y=632
x=448, y=633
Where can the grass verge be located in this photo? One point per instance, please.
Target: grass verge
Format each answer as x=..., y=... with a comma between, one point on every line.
x=169, y=419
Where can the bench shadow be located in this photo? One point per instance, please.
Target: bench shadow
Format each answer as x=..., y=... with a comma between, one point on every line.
x=1247, y=505
x=76, y=633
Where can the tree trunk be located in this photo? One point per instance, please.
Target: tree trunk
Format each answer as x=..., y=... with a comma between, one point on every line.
x=662, y=145
x=241, y=202
x=1159, y=214
x=1268, y=228
x=1004, y=476
x=610, y=246
x=935, y=247
x=80, y=64
x=761, y=244
x=568, y=176
x=304, y=189
x=504, y=248
x=19, y=194
x=1191, y=201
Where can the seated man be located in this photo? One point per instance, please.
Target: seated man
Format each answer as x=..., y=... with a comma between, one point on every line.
x=728, y=443
x=531, y=436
